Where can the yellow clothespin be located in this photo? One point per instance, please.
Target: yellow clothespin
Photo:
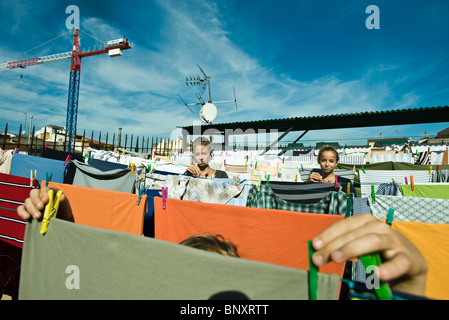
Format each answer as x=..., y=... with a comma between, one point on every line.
x=348, y=189
x=252, y=171
x=51, y=209
x=133, y=167
x=430, y=169
x=296, y=178
x=236, y=180
x=259, y=181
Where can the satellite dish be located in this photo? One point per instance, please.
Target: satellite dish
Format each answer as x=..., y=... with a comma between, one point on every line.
x=208, y=112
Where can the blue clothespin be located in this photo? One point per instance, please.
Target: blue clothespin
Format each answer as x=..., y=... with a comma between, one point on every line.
x=142, y=191
x=48, y=177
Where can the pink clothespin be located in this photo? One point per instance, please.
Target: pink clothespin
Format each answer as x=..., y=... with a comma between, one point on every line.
x=164, y=196
x=67, y=159
x=46, y=145
x=336, y=181
x=406, y=182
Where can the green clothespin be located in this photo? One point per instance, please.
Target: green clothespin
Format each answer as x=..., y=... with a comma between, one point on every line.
x=255, y=166
x=268, y=179
x=313, y=274
x=363, y=169
x=383, y=292
x=373, y=194
x=390, y=216
x=349, y=205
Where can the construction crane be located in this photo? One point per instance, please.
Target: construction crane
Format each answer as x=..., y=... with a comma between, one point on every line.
x=113, y=48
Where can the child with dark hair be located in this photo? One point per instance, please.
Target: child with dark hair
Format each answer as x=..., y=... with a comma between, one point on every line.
x=212, y=243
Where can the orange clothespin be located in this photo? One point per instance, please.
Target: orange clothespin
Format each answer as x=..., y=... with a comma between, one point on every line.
x=411, y=183
x=348, y=189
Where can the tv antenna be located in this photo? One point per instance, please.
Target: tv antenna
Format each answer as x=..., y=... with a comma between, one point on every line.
x=208, y=110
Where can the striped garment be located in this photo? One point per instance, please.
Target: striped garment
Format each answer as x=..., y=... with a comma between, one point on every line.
x=302, y=192
x=13, y=192
x=332, y=203
x=376, y=177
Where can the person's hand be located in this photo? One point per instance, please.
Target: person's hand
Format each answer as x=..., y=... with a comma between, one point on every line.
x=329, y=179
x=194, y=170
x=315, y=177
x=35, y=205
x=404, y=267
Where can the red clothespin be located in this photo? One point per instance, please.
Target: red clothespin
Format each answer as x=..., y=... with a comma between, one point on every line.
x=67, y=159
x=336, y=181
x=46, y=145
x=411, y=183
x=406, y=182
x=164, y=196
x=438, y=168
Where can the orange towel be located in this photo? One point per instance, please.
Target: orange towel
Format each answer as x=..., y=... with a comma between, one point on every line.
x=267, y=235
x=112, y=210
x=432, y=239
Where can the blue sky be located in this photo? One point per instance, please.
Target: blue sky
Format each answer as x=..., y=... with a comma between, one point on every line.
x=284, y=58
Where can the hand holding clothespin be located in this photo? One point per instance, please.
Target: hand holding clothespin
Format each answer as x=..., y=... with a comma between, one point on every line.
x=51, y=209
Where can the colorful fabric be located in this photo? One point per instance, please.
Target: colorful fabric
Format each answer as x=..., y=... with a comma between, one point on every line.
x=203, y=190
x=377, y=177
x=273, y=236
x=6, y=161
x=388, y=189
x=411, y=208
x=107, y=209
x=13, y=192
x=10, y=261
x=433, y=241
x=302, y=192
x=46, y=169
x=73, y=261
x=117, y=179
x=438, y=191
x=332, y=203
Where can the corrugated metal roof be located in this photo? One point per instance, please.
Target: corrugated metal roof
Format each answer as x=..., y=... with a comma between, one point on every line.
x=333, y=121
